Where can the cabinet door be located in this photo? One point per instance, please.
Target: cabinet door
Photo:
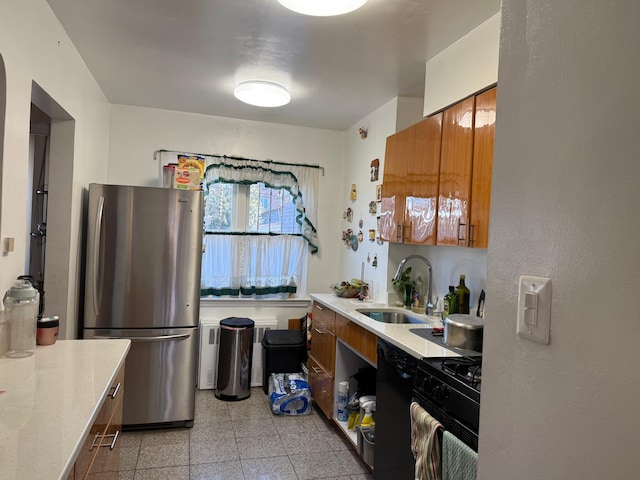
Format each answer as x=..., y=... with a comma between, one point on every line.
x=321, y=383
x=396, y=158
x=423, y=178
x=485, y=126
x=455, y=173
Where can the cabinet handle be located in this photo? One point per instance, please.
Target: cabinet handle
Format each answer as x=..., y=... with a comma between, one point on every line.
x=97, y=440
x=320, y=307
x=316, y=370
x=399, y=232
x=472, y=235
x=114, y=391
x=321, y=332
x=464, y=239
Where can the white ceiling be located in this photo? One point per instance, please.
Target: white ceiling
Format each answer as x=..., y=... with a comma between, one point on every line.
x=187, y=55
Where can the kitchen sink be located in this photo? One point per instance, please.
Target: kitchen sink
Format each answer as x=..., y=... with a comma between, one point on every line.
x=390, y=315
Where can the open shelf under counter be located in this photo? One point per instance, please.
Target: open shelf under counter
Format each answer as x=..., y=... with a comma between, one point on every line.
x=352, y=435
x=348, y=363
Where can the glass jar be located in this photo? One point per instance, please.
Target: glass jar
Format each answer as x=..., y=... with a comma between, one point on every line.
x=21, y=304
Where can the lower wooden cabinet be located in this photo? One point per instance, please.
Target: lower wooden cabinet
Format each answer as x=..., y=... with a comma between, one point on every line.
x=321, y=383
x=100, y=454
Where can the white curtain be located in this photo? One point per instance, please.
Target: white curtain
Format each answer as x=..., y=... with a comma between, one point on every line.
x=258, y=264
x=251, y=264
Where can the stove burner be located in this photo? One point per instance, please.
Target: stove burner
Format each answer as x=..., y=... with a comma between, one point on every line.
x=475, y=375
x=465, y=368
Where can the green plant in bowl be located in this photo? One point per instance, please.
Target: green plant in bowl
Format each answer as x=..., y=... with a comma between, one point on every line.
x=405, y=286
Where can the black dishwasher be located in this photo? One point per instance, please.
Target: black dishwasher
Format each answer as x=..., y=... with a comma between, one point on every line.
x=393, y=459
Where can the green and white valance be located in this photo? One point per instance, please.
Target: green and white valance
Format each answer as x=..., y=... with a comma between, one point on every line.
x=298, y=179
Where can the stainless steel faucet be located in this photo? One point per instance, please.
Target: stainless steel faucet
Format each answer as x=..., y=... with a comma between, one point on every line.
x=429, y=306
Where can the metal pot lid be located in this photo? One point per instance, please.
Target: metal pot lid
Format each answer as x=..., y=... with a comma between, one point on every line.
x=469, y=322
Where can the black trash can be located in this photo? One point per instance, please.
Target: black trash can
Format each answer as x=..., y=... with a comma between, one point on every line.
x=282, y=352
x=234, y=359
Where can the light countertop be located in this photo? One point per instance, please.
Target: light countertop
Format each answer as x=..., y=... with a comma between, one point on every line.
x=49, y=401
x=396, y=334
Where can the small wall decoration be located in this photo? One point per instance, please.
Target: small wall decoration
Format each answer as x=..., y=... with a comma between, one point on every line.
x=372, y=235
x=362, y=132
x=348, y=215
x=375, y=168
x=346, y=237
x=375, y=261
x=360, y=236
x=379, y=193
x=354, y=193
x=373, y=207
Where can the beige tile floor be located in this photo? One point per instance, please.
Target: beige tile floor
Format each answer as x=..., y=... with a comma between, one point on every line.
x=241, y=441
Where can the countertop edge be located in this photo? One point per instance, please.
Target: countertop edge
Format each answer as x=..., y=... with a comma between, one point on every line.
x=396, y=334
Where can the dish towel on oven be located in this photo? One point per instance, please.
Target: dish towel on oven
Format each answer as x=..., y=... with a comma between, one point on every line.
x=425, y=443
x=459, y=462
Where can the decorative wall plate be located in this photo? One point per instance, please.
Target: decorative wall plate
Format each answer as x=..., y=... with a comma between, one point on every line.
x=354, y=243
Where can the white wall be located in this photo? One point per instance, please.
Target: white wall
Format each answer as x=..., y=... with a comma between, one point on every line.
x=565, y=206
x=137, y=132
x=465, y=67
x=447, y=264
x=391, y=117
x=35, y=48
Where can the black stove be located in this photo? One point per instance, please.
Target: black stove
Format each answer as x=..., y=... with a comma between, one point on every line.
x=449, y=389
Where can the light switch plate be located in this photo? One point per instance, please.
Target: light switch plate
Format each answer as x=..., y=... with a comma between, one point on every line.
x=534, y=318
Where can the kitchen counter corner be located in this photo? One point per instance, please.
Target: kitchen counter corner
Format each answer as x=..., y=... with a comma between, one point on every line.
x=48, y=402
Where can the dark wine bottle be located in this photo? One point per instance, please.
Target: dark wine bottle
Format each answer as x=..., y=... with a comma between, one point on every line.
x=450, y=302
x=463, y=296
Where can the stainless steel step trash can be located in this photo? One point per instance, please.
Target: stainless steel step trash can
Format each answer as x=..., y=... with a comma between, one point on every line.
x=234, y=359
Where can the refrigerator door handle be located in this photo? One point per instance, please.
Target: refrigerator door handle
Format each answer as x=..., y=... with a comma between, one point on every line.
x=158, y=338
x=97, y=234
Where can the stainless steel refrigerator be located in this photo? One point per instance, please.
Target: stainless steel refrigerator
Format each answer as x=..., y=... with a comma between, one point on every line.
x=144, y=253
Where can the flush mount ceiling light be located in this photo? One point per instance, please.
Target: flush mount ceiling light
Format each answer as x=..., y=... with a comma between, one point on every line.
x=322, y=8
x=262, y=94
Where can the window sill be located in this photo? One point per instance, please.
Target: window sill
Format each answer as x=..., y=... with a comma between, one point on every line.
x=274, y=302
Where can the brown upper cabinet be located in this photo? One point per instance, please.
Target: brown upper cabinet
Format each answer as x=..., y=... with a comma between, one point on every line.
x=485, y=128
x=410, y=183
x=437, y=177
x=456, y=157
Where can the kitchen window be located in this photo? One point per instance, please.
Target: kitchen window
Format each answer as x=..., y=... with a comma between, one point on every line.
x=253, y=244
x=260, y=225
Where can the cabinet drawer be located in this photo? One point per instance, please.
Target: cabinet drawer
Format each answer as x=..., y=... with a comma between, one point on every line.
x=106, y=464
x=321, y=383
x=323, y=346
x=360, y=339
x=323, y=316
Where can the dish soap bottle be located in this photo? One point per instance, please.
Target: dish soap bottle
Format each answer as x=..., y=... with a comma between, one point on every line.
x=450, y=302
x=463, y=296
